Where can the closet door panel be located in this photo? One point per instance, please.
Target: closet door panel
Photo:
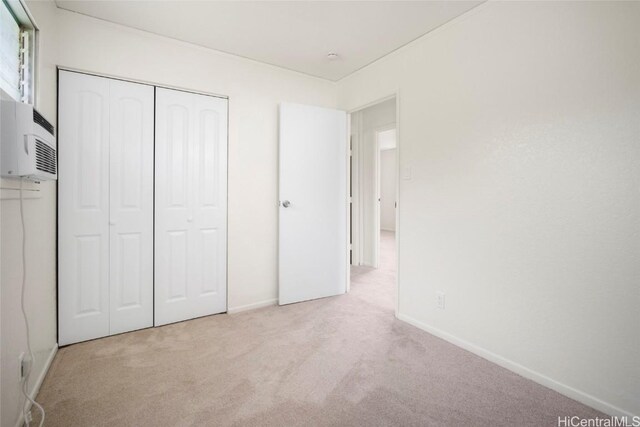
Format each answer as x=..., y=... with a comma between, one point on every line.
x=83, y=207
x=131, y=206
x=191, y=143
x=210, y=208
x=174, y=132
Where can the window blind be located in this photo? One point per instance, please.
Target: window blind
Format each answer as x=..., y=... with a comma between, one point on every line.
x=9, y=53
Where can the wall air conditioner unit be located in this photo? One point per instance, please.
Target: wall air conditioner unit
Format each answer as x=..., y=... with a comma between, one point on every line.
x=27, y=143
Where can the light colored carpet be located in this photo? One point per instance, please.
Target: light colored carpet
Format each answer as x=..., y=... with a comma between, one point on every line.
x=341, y=361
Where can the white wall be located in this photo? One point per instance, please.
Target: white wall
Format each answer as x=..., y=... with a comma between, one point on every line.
x=40, y=220
x=366, y=228
x=254, y=90
x=388, y=182
x=520, y=125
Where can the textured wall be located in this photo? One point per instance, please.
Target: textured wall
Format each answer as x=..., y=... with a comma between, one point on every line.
x=520, y=123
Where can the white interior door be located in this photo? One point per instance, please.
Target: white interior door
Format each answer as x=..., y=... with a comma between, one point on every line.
x=313, y=245
x=131, y=206
x=191, y=206
x=83, y=207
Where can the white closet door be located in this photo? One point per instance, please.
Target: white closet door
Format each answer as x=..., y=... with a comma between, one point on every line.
x=191, y=206
x=131, y=206
x=83, y=201
x=105, y=206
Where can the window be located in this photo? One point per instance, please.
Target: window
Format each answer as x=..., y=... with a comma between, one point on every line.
x=17, y=35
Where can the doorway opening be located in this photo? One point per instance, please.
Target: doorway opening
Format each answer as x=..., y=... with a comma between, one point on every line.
x=374, y=172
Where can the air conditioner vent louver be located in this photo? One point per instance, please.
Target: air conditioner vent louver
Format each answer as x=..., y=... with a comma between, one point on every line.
x=45, y=158
x=28, y=144
x=37, y=118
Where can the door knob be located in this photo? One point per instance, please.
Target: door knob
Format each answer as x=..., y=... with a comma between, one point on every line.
x=286, y=204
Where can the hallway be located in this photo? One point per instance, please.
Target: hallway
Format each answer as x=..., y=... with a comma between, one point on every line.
x=378, y=286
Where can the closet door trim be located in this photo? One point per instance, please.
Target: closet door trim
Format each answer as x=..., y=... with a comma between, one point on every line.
x=60, y=271
x=142, y=82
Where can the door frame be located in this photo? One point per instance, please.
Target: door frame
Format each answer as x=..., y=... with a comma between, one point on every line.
x=139, y=81
x=396, y=94
x=154, y=85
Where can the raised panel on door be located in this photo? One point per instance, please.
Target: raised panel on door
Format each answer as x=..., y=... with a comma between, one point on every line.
x=209, y=227
x=173, y=134
x=83, y=207
x=190, y=248
x=131, y=206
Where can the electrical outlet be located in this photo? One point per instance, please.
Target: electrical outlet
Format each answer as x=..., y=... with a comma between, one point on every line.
x=440, y=300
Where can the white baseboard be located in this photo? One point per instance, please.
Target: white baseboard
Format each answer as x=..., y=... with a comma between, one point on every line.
x=253, y=306
x=38, y=383
x=537, y=377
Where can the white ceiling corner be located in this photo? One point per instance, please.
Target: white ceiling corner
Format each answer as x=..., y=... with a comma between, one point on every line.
x=295, y=35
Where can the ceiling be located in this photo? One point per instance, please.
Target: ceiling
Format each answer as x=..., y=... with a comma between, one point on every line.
x=296, y=35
